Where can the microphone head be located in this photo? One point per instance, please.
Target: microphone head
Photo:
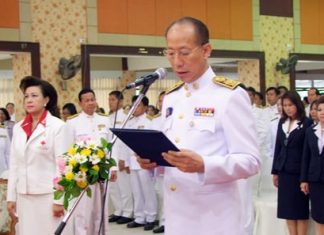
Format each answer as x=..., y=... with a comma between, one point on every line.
x=161, y=72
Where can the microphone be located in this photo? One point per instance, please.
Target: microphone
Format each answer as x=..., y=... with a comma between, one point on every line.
x=160, y=73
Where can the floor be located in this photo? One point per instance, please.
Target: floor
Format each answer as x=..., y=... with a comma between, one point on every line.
x=116, y=229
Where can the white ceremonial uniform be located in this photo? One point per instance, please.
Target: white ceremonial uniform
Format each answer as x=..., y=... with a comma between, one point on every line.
x=31, y=172
x=142, y=182
x=87, y=216
x=120, y=191
x=217, y=123
x=157, y=123
x=4, y=150
x=271, y=112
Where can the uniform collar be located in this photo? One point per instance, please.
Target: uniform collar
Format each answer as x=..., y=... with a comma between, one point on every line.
x=201, y=82
x=87, y=115
x=27, y=124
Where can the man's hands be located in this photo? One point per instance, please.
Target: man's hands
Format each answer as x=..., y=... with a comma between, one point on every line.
x=184, y=160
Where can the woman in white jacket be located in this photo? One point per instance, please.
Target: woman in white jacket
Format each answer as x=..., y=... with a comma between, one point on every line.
x=37, y=141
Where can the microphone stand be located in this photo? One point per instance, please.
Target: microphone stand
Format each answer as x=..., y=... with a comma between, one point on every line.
x=67, y=216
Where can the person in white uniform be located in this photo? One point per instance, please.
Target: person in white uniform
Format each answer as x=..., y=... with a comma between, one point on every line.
x=89, y=125
x=142, y=181
x=210, y=120
x=120, y=191
x=37, y=142
x=4, y=149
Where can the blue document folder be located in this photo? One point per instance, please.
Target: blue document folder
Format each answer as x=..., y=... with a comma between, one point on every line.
x=149, y=144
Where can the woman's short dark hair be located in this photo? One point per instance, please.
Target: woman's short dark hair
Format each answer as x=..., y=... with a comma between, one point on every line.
x=202, y=32
x=5, y=112
x=71, y=107
x=47, y=90
x=294, y=97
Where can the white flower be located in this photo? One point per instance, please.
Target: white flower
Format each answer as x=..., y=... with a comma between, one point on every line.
x=68, y=168
x=81, y=158
x=80, y=176
x=94, y=159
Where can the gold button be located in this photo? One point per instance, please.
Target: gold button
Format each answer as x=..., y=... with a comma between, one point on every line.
x=173, y=187
x=186, y=87
x=195, y=86
x=177, y=140
x=188, y=94
x=180, y=116
x=191, y=123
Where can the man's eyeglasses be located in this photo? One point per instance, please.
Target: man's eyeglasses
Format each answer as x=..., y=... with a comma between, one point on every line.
x=182, y=53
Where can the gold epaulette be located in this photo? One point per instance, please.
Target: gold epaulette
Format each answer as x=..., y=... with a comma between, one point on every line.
x=157, y=115
x=149, y=117
x=73, y=116
x=102, y=114
x=175, y=87
x=125, y=112
x=2, y=126
x=223, y=81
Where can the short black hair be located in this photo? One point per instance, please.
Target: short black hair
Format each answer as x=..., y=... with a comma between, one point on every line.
x=71, y=107
x=317, y=92
x=294, y=97
x=85, y=91
x=47, y=90
x=259, y=94
x=6, y=113
x=276, y=90
x=10, y=103
x=283, y=88
x=201, y=29
x=118, y=94
x=145, y=100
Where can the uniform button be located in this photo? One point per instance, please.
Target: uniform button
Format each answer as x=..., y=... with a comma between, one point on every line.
x=180, y=116
x=195, y=86
x=173, y=187
x=177, y=139
x=188, y=94
x=191, y=124
x=186, y=87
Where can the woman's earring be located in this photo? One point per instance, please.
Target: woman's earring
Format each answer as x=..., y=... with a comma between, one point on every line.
x=45, y=105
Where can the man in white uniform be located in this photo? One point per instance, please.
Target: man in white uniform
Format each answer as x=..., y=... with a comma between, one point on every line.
x=89, y=125
x=142, y=182
x=210, y=120
x=120, y=191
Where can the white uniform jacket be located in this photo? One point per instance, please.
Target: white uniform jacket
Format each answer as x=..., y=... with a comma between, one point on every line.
x=217, y=123
x=33, y=161
x=4, y=150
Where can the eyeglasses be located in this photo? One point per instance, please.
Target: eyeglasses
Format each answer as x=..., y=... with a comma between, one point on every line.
x=182, y=53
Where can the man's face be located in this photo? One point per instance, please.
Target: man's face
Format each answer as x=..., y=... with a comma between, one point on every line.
x=141, y=109
x=187, y=57
x=311, y=95
x=88, y=103
x=113, y=102
x=272, y=97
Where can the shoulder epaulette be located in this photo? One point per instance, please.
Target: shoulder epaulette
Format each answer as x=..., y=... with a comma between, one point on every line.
x=102, y=114
x=223, y=81
x=125, y=111
x=157, y=115
x=73, y=116
x=273, y=119
x=2, y=126
x=175, y=87
x=149, y=117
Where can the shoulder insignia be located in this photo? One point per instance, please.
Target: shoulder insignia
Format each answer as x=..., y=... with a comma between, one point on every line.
x=102, y=114
x=273, y=119
x=73, y=116
x=157, y=115
x=223, y=81
x=149, y=117
x=2, y=126
x=175, y=87
x=125, y=111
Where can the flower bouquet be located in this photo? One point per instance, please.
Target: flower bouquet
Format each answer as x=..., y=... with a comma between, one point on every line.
x=85, y=163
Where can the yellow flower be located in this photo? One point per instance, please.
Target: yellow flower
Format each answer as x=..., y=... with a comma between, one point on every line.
x=72, y=162
x=82, y=184
x=100, y=153
x=72, y=151
x=83, y=169
x=69, y=175
x=95, y=167
x=85, y=152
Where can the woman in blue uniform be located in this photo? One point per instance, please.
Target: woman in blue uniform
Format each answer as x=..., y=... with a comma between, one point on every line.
x=292, y=203
x=312, y=173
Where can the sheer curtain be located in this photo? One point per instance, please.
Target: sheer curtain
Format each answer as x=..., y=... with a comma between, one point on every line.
x=6, y=91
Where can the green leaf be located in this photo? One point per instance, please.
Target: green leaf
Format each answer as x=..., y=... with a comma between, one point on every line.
x=66, y=202
x=89, y=192
x=64, y=182
x=58, y=194
x=75, y=191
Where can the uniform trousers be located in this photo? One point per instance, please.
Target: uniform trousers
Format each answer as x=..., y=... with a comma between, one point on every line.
x=87, y=215
x=159, y=192
x=121, y=195
x=35, y=215
x=145, y=200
